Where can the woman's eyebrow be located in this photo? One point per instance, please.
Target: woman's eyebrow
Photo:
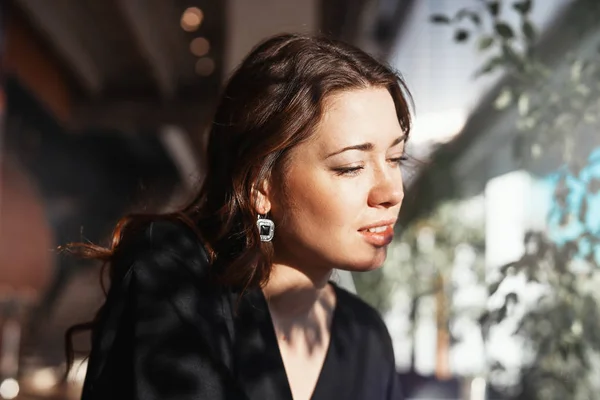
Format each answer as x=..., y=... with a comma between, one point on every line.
x=365, y=146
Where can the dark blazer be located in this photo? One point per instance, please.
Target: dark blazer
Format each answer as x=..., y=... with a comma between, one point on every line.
x=167, y=332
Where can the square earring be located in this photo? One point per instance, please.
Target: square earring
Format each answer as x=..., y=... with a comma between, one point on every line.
x=266, y=229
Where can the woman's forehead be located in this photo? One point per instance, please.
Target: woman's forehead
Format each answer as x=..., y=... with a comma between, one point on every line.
x=361, y=114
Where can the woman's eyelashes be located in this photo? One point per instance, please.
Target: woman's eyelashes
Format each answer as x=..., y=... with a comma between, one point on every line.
x=348, y=171
x=356, y=169
x=399, y=160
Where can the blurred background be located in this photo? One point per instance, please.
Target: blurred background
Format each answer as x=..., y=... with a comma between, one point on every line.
x=489, y=290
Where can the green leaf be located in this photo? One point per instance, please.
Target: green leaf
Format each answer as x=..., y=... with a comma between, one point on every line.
x=466, y=13
x=461, y=14
x=510, y=55
x=485, y=42
x=493, y=288
x=583, y=210
x=489, y=66
x=439, y=19
x=526, y=123
x=494, y=8
x=475, y=18
x=501, y=313
x=523, y=7
x=523, y=104
x=590, y=117
x=576, y=69
x=583, y=90
x=511, y=297
x=529, y=31
x=461, y=35
x=594, y=185
x=504, y=99
x=506, y=268
x=504, y=30
x=536, y=151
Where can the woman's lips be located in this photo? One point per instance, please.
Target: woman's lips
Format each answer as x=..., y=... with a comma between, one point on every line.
x=379, y=236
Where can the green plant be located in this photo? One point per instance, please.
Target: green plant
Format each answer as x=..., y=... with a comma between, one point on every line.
x=557, y=102
x=421, y=266
x=552, y=103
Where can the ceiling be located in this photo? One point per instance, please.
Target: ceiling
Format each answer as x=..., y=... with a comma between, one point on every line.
x=128, y=63
x=128, y=59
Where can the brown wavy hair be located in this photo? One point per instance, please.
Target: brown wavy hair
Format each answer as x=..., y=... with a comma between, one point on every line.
x=272, y=102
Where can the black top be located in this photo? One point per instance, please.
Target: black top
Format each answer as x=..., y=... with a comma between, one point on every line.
x=167, y=333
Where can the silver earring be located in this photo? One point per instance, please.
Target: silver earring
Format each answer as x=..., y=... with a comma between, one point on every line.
x=266, y=229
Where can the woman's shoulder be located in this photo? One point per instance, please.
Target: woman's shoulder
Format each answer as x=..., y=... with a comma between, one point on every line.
x=160, y=305
x=159, y=232
x=160, y=247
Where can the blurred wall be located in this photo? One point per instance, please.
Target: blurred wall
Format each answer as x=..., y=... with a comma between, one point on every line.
x=249, y=22
x=35, y=66
x=26, y=238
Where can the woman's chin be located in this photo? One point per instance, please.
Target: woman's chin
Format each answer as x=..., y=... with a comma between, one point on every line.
x=369, y=263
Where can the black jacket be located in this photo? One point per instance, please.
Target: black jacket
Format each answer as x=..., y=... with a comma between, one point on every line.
x=166, y=332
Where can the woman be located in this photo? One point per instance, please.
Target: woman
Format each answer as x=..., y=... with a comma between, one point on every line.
x=231, y=297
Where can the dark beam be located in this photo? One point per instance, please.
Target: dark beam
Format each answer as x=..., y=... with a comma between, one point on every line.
x=150, y=38
x=133, y=116
x=340, y=19
x=50, y=20
x=392, y=15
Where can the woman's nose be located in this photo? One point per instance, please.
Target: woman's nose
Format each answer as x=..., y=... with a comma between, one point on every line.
x=388, y=190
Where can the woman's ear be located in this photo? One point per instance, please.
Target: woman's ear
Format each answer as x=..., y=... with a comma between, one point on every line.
x=261, y=194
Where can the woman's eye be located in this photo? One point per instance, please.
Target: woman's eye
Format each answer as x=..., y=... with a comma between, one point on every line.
x=348, y=171
x=399, y=160
x=353, y=171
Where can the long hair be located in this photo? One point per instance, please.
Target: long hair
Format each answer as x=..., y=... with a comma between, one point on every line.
x=272, y=102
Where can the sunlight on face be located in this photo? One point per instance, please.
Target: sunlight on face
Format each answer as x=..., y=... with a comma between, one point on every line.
x=342, y=190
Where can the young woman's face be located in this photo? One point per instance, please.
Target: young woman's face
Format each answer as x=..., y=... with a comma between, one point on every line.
x=339, y=196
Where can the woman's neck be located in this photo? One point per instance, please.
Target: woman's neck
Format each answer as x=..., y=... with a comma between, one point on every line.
x=292, y=293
